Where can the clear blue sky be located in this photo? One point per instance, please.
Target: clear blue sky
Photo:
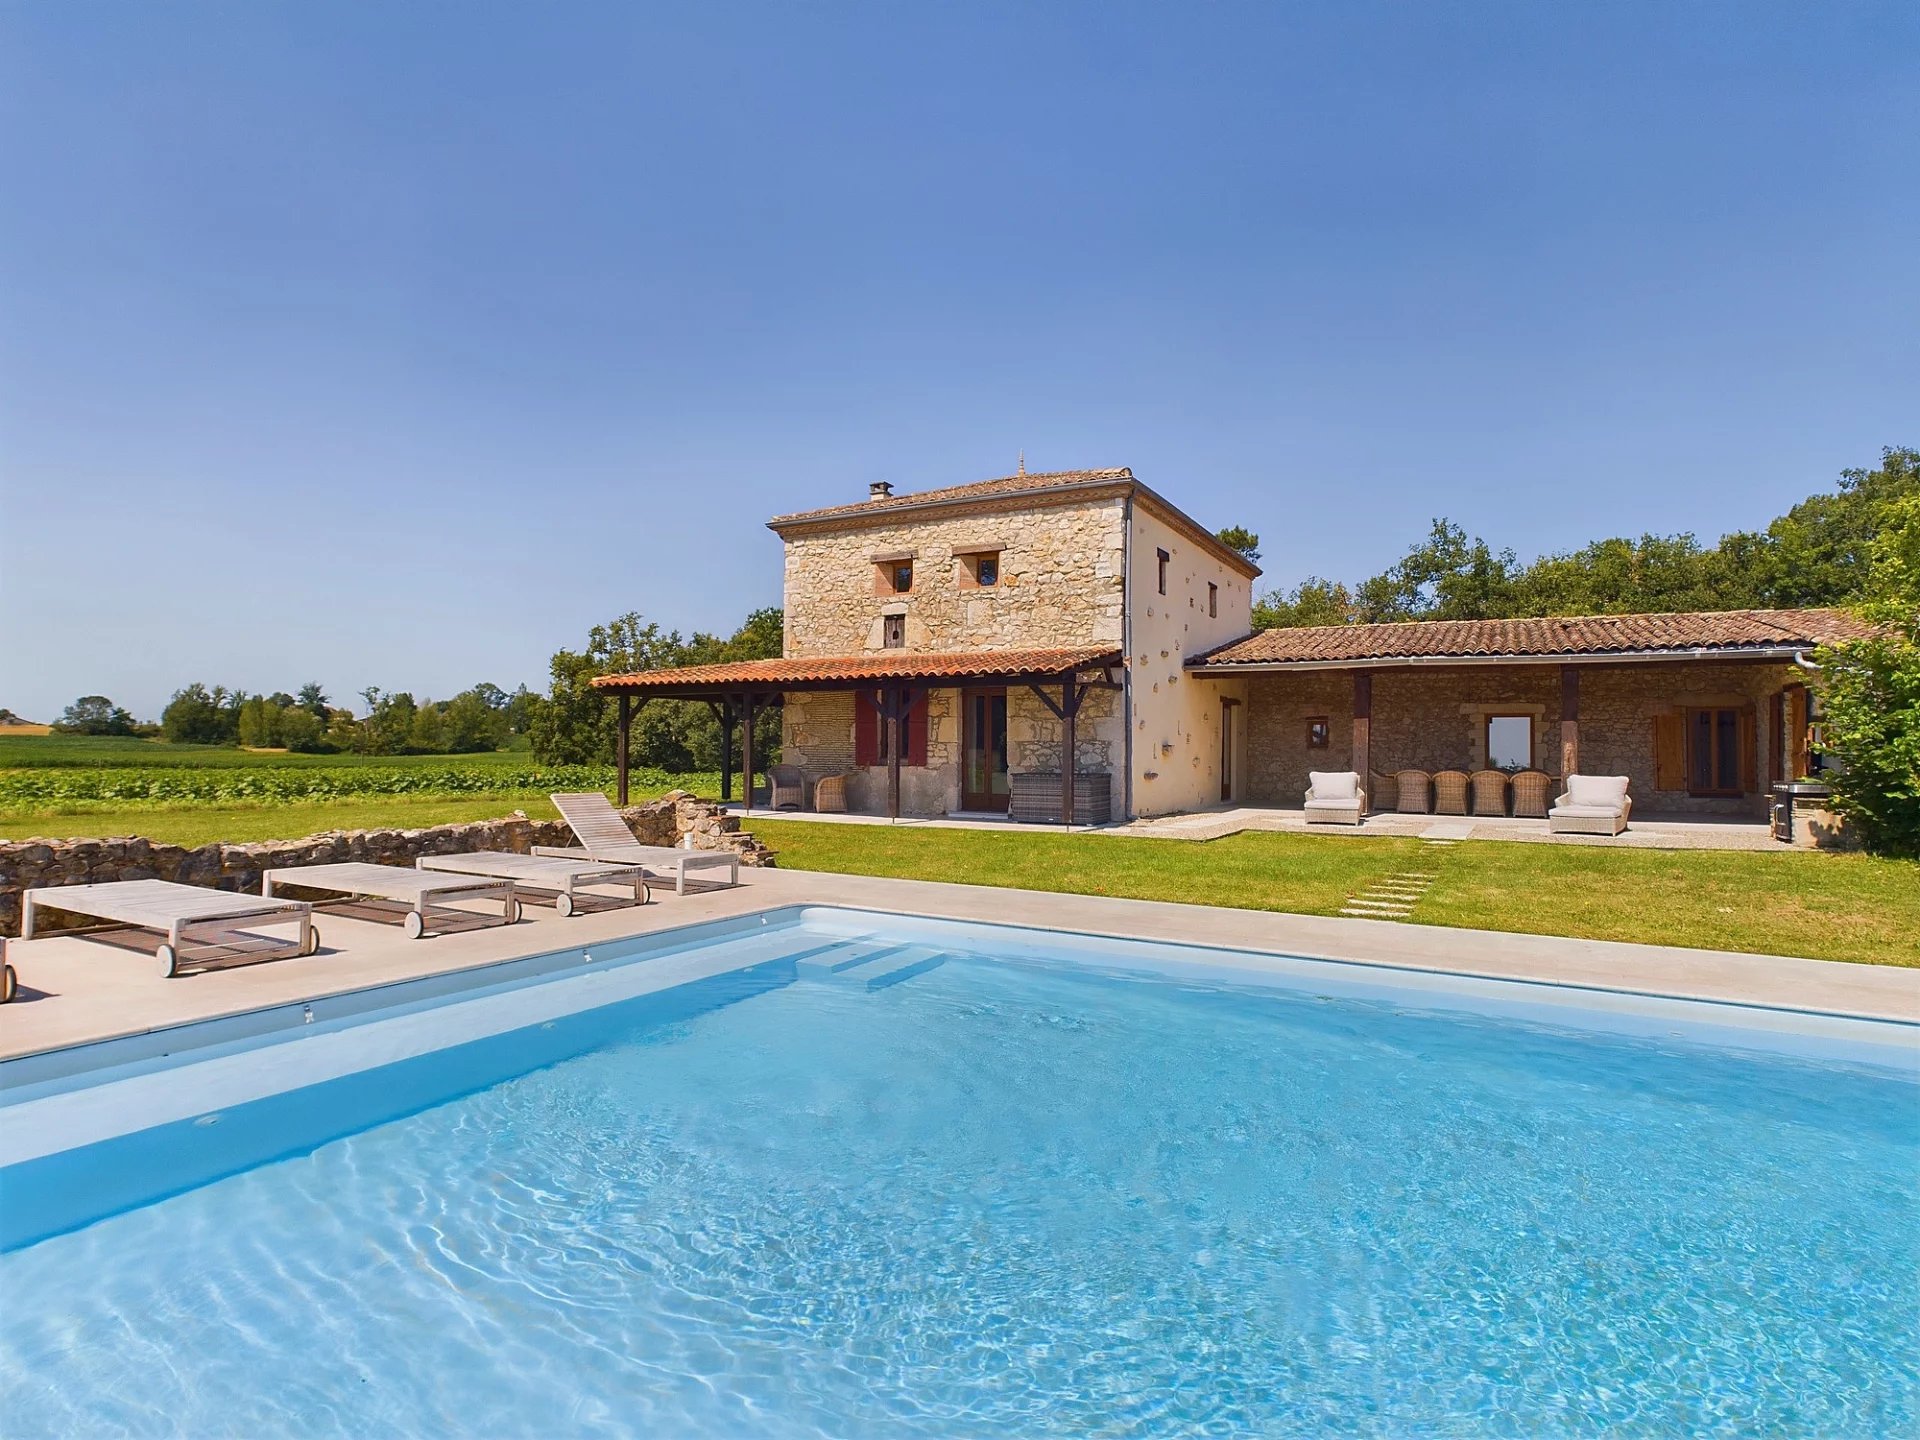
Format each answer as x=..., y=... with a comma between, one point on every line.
x=324, y=328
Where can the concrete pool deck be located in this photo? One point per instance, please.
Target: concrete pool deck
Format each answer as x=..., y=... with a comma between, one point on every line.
x=75, y=989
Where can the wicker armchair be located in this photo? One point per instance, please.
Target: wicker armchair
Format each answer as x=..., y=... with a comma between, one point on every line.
x=787, y=787
x=1530, y=791
x=1382, y=792
x=1450, y=792
x=1489, y=792
x=830, y=795
x=1410, y=792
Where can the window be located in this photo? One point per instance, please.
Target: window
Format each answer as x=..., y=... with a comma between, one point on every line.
x=1213, y=600
x=1319, y=732
x=1713, y=752
x=1165, y=559
x=1509, y=742
x=979, y=569
x=902, y=576
x=893, y=631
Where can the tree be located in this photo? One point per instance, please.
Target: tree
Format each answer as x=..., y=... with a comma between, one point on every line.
x=200, y=716
x=259, y=723
x=576, y=724
x=469, y=723
x=313, y=698
x=1313, y=601
x=1821, y=551
x=301, y=731
x=94, y=715
x=1238, y=537
x=1871, y=692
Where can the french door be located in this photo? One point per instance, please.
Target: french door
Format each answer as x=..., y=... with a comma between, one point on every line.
x=983, y=750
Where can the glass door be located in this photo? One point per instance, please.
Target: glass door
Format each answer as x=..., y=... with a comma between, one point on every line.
x=983, y=750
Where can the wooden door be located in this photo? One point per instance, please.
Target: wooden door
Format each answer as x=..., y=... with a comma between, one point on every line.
x=983, y=750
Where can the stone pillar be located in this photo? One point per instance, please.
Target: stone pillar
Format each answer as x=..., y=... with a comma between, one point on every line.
x=1363, y=728
x=1569, y=719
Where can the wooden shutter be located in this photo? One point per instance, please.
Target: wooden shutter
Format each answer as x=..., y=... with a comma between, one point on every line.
x=1749, y=752
x=917, y=731
x=1670, y=752
x=866, y=729
x=1796, y=732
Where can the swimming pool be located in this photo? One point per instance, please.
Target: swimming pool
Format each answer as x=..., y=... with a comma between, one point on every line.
x=843, y=1173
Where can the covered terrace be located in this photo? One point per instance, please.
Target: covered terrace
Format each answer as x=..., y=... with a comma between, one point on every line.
x=893, y=684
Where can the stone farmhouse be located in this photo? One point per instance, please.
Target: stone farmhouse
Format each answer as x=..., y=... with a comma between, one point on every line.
x=945, y=649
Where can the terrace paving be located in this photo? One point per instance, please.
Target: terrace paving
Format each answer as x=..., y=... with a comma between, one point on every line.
x=76, y=989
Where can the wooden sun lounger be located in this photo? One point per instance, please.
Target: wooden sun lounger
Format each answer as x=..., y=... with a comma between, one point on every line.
x=562, y=878
x=419, y=890
x=180, y=912
x=603, y=835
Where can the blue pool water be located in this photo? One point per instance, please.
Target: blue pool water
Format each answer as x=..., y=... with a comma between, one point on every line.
x=999, y=1197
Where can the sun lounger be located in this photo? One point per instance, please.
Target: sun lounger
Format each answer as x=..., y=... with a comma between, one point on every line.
x=419, y=890
x=180, y=912
x=549, y=874
x=603, y=835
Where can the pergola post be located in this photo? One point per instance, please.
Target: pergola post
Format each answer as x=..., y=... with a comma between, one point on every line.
x=723, y=712
x=1363, y=730
x=895, y=717
x=746, y=753
x=620, y=748
x=1569, y=719
x=1070, y=696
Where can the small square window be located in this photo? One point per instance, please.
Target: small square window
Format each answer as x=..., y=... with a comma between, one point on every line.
x=1165, y=560
x=986, y=570
x=902, y=576
x=893, y=631
x=1213, y=600
x=1319, y=732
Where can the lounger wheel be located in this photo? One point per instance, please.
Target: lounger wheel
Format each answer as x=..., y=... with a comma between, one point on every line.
x=169, y=959
x=9, y=983
x=414, y=926
x=563, y=904
x=512, y=907
x=313, y=940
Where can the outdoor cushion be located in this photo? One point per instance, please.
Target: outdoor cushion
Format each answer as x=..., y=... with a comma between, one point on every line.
x=1334, y=784
x=1586, y=812
x=1607, y=791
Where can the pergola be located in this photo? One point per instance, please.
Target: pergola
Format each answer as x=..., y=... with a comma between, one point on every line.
x=893, y=682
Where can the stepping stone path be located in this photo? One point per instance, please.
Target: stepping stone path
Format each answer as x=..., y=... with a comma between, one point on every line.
x=1394, y=897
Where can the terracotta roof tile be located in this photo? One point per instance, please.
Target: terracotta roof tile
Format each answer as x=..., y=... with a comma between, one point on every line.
x=877, y=666
x=1555, y=635
x=979, y=490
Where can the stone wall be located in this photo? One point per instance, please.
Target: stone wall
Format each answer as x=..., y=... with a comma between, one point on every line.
x=1435, y=719
x=28, y=864
x=1061, y=581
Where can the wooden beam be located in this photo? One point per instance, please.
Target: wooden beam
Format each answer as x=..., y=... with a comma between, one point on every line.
x=1363, y=731
x=1569, y=719
x=746, y=753
x=723, y=712
x=625, y=726
x=894, y=714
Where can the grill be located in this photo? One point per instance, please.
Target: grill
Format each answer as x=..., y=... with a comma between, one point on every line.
x=1807, y=794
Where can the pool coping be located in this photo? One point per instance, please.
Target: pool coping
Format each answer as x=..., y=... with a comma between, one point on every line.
x=104, y=994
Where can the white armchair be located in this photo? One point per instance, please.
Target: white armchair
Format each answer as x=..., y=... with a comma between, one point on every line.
x=1335, y=798
x=1591, y=805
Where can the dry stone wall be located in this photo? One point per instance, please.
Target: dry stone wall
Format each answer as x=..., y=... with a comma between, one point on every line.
x=28, y=864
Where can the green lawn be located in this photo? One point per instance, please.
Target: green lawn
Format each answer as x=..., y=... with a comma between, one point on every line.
x=1828, y=907
x=237, y=824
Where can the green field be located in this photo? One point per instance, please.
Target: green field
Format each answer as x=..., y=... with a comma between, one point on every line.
x=63, y=786
x=1826, y=907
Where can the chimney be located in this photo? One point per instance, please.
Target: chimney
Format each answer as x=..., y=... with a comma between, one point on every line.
x=879, y=489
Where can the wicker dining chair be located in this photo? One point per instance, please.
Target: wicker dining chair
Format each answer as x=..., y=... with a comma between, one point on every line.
x=1450, y=792
x=1489, y=792
x=1531, y=789
x=830, y=795
x=1382, y=793
x=1410, y=792
x=787, y=787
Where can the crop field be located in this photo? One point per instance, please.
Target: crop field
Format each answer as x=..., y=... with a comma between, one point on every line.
x=64, y=785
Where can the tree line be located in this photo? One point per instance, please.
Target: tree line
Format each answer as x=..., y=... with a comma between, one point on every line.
x=1818, y=553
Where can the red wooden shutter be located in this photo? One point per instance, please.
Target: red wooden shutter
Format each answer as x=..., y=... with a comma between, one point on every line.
x=917, y=732
x=866, y=729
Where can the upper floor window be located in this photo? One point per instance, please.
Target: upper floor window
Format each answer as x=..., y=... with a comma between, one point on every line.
x=893, y=631
x=901, y=574
x=1165, y=560
x=1213, y=600
x=986, y=569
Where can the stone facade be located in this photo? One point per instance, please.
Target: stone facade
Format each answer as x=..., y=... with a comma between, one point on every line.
x=1062, y=573
x=29, y=864
x=1434, y=718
